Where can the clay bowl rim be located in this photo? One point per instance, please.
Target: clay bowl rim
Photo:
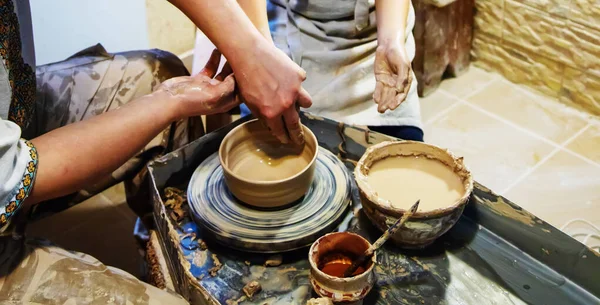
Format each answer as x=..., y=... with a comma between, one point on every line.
x=313, y=265
x=263, y=182
x=382, y=205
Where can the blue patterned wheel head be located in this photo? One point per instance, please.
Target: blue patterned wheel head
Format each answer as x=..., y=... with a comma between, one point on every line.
x=243, y=227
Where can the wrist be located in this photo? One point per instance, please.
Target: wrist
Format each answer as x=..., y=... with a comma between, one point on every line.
x=168, y=105
x=391, y=40
x=257, y=47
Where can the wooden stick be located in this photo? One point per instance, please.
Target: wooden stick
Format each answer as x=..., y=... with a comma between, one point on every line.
x=381, y=240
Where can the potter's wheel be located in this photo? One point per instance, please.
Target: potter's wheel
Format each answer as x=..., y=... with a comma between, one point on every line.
x=240, y=226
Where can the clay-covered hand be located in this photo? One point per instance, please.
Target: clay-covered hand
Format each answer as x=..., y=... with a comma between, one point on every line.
x=393, y=75
x=271, y=86
x=203, y=94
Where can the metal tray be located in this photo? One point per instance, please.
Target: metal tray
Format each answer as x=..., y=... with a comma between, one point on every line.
x=497, y=253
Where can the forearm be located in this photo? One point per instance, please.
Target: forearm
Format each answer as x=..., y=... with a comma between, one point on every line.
x=76, y=155
x=256, y=10
x=226, y=25
x=391, y=20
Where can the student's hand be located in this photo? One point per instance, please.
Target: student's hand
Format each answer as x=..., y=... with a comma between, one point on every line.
x=393, y=76
x=203, y=94
x=270, y=84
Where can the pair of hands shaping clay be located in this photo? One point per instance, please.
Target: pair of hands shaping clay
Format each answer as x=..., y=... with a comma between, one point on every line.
x=392, y=73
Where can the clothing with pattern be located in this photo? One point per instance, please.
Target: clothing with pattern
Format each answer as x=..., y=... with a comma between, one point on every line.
x=18, y=158
x=87, y=84
x=18, y=59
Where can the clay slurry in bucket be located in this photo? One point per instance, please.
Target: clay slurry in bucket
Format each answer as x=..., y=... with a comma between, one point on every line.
x=404, y=179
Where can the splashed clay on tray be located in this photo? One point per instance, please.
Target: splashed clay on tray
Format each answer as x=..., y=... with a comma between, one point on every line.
x=443, y=187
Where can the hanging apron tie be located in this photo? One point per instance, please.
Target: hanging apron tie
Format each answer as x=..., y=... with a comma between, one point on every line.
x=293, y=36
x=361, y=14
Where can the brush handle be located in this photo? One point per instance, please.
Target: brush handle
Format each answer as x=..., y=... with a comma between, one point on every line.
x=393, y=228
x=381, y=240
x=357, y=263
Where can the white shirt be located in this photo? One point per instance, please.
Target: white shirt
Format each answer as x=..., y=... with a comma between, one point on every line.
x=18, y=158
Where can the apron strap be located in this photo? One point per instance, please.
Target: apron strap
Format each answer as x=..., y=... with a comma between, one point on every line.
x=293, y=36
x=361, y=14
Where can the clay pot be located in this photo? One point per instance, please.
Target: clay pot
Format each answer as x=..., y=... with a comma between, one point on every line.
x=424, y=227
x=261, y=171
x=338, y=289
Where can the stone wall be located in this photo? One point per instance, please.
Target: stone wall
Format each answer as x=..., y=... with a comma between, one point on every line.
x=550, y=45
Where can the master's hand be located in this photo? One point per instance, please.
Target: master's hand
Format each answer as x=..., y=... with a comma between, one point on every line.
x=271, y=85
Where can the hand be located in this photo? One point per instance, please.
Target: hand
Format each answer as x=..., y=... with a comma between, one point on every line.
x=393, y=76
x=270, y=84
x=202, y=94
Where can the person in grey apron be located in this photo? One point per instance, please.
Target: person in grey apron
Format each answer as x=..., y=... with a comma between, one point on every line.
x=339, y=45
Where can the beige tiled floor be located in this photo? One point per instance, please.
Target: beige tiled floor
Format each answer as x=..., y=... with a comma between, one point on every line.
x=538, y=153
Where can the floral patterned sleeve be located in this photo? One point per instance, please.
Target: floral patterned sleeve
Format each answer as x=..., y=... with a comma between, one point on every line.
x=18, y=166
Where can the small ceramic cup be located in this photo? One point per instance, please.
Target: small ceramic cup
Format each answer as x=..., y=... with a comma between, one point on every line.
x=261, y=171
x=422, y=228
x=350, y=290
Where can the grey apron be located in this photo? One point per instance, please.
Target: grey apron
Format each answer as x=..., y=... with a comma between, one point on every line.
x=335, y=42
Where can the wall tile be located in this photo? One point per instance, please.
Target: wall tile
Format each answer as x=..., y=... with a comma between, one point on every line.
x=489, y=16
x=586, y=12
x=581, y=90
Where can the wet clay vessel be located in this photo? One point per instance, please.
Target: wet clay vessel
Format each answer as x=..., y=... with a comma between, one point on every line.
x=424, y=227
x=350, y=290
x=262, y=172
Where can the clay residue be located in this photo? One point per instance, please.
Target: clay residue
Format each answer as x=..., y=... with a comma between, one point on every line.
x=319, y=301
x=416, y=260
x=251, y=288
x=155, y=276
x=272, y=279
x=236, y=301
x=174, y=239
x=174, y=199
x=365, y=137
x=313, y=117
x=274, y=261
x=286, y=269
x=217, y=265
x=502, y=208
x=199, y=258
x=342, y=153
x=391, y=271
x=484, y=189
